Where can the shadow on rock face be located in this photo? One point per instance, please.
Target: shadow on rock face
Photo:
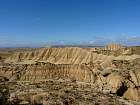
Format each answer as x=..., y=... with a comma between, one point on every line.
x=4, y=91
x=122, y=90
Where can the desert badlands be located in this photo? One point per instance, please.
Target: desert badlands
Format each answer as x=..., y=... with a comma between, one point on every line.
x=108, y=75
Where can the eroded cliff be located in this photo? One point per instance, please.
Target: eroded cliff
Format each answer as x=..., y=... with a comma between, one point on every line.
x=118, y=75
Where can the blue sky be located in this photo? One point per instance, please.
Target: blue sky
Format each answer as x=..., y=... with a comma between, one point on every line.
x=42, y=22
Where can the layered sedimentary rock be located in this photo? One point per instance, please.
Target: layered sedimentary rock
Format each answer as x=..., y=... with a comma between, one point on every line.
x=71, y=62
x=115, y=50
x=113, y=47
x=42, y=71
x=59, y=56
x=112, y=74
x=68, y=55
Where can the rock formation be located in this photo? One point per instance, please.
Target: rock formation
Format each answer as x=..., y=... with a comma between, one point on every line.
x=112, y=74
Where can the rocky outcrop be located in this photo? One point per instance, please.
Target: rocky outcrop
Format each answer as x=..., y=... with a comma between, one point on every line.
x=42, y=71
x=132, y=94
x=110, y=74
x=4, y=91
x=68, y=55
x=113, y=47
x=45, y=71
x=117, y=80
x=59, y=56
x=114, y=82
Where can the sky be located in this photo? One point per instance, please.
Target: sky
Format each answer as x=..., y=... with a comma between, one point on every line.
x=44, y=22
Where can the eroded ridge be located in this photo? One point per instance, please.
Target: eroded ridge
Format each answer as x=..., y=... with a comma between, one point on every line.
x=105, y=72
